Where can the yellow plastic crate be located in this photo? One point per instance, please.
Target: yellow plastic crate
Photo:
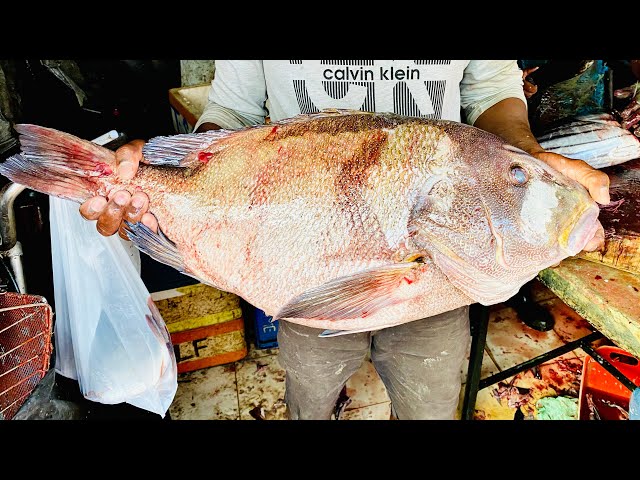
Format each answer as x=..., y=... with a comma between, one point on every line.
x=206, y=325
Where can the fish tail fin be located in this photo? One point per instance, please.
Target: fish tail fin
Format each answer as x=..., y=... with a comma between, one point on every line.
x=57, y=163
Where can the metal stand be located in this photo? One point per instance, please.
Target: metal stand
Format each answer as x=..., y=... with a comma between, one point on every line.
x=479, y=322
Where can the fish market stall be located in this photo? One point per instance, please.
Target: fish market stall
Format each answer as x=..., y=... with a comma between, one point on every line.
x=441, y=264
x=584, y=118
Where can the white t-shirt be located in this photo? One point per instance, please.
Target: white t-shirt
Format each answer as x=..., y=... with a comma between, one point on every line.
x=245, y=92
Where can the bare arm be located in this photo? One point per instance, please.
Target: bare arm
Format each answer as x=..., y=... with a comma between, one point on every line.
x=206, y=127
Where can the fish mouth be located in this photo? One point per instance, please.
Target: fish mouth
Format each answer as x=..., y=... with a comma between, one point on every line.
x=581, y=231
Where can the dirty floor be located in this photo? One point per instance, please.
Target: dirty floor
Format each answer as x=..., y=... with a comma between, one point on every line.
x=253, y=387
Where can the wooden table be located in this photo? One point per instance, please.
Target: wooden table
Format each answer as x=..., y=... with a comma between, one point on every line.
x=608, y=298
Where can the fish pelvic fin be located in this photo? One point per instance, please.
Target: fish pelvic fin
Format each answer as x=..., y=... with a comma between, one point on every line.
x=332, y=333
x=353, y=296
x=58, y=163
x=156, y=245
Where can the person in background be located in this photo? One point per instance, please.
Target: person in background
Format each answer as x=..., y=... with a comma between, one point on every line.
x=420, y=362
x=630, y=114
x=529, y=87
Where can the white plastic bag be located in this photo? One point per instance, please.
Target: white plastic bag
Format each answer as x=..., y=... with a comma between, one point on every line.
x=109, y=336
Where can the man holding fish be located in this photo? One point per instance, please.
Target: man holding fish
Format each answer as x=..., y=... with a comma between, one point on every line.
x=419, y=361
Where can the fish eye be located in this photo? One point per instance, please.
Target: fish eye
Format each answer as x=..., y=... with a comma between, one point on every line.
x=518, y=175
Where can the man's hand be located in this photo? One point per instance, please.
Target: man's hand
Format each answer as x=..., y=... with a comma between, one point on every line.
x=111, y=212
x=595, y=181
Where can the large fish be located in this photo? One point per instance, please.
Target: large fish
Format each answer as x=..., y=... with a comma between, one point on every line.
x=340, y=220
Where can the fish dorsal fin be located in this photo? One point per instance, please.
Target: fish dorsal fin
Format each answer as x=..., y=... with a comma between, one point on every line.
x=325, y=113
x=181, y=150
x=353, y=296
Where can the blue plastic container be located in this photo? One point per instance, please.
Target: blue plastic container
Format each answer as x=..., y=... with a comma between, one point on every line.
x=266, y=330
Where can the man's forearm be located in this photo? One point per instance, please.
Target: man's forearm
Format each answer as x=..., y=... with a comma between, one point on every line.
x=207, y=126
x=508, y=119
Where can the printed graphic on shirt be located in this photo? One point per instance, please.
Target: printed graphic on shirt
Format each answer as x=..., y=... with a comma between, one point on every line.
x=405, y=87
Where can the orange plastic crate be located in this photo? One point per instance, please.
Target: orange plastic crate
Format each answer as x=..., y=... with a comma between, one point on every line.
x=609, y=396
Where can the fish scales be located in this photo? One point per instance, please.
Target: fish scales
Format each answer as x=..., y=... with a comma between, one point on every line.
x=284, y=168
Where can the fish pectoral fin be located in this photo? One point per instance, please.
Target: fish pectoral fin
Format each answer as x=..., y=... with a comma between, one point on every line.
x=156, y=245
x=335, y=333
x=353, y=296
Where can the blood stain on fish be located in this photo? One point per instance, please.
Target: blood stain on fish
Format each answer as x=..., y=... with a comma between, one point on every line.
x=204, y=157
x=103, y=169
x=272, y=134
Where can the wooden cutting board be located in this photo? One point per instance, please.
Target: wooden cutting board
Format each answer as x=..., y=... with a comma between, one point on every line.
x=621, y=219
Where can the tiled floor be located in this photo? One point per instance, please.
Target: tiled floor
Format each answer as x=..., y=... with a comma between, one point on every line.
x=253, y=388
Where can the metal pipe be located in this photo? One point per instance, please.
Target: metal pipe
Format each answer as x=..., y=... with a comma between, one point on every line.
x=15, y=258
x=8, y=236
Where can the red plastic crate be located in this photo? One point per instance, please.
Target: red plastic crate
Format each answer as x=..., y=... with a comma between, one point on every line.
x=610, y=397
